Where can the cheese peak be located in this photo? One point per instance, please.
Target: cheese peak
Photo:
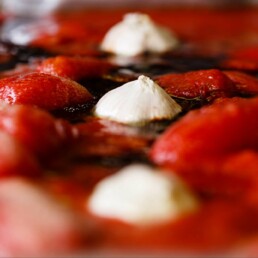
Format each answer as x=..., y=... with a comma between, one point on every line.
x=137, y=102
x=137, y=34
x=140, y=194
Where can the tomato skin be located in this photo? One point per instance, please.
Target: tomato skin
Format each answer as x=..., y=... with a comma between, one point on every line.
x=67, y=36
x=43, y=90
x=16, y=159
x=239, y=64
x=66, y=31
x=75, y=68
x=245, y=59
x=208, y=85
x=204, y=84
x=202, y=145
x=103, y=138
x=33, y=222
x=36, y=129
x=245, y=84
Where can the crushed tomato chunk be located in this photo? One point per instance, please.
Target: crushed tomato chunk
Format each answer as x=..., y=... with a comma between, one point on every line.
x=208, y=85
x=36, y=129
x=75, y=68
x=203, y=145
x=43, y=90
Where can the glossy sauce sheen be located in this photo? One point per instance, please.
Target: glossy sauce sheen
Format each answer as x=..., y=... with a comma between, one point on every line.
x=64, y=151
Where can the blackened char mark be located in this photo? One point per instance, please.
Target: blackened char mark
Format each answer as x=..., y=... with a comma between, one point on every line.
x=20, y=54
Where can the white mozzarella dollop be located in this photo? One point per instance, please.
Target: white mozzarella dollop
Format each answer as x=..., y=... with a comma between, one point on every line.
x=137, y=34
x=141, y=195
x=137, y=102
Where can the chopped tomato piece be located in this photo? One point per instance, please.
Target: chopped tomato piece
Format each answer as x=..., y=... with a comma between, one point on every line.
x=69, y=37
x=244, y=83
x=204, y=84
x=75, y=68
x=208, y=85
x=33, y=222
x=245, y=59
x=105, y=138
x=240, y=64
x=42, y=90
x=16, y=159
x=56, y=32
x=41, y=133
x=201, y=145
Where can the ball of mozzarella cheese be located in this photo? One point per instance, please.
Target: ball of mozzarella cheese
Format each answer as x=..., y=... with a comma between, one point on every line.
x=137, y=102
x=140, y=194
x=137, y=34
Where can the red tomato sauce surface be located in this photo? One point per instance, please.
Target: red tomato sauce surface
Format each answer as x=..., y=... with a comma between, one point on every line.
x=220, y=166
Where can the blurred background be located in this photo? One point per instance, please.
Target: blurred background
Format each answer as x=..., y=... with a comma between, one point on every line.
x=41, y=7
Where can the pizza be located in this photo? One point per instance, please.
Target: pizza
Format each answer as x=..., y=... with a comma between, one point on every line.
x=130, y=133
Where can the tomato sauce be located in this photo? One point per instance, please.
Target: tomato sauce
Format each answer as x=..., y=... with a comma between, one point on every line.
x=212, y=147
